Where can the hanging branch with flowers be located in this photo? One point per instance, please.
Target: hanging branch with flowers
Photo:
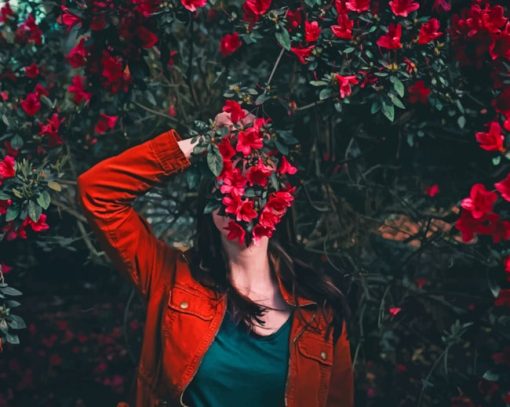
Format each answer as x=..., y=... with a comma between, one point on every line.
x=255, y=183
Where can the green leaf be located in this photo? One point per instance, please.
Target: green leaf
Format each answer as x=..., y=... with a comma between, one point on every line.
x=318, y=83
x=491, y=376
x=4, y=196
x=214, y=160
x=398, y=86
x=34, y=210
x=389, y=111
x=211, y=206
x=16, y=322
x=461, y=121
x=261, y=99
x=55, y=186
x=12, y=213
x=10, y=291
x=287, y=137
x=375, y=107
x=12, y=339
x=396, y=101
x=283, y=38
x=16, y=142
x=325, y=93
x=44, y=199
x=282, y=148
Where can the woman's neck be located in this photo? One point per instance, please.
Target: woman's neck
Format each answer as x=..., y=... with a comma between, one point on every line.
x=250, y=270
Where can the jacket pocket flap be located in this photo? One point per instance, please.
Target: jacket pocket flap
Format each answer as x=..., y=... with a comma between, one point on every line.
x=185, y=301
x=315, y=348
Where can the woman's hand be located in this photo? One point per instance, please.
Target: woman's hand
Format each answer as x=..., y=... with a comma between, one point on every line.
x=187, y=146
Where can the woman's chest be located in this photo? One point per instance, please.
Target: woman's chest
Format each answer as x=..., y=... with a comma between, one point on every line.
x=191, y=322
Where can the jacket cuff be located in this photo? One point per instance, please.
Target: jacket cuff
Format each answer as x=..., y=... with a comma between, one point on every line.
x=168, y=153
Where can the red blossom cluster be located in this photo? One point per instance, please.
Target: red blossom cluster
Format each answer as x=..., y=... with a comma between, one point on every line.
x=481, y=37
x=253, y=186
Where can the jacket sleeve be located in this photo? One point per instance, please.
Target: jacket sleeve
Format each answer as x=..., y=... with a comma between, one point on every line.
x=106, y=192
x=341, y=388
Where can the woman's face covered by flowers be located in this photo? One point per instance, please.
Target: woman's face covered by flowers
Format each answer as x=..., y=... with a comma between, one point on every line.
x=252, y=188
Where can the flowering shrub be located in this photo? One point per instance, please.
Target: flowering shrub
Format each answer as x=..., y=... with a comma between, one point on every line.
x=400, y=110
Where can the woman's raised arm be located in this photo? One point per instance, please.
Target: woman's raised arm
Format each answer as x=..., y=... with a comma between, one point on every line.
x=107, y=191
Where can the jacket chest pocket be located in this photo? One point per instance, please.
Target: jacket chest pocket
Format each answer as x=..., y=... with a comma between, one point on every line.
x=186, y=309
x=315, y=366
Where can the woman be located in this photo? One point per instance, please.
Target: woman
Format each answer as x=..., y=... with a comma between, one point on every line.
x=225, y=324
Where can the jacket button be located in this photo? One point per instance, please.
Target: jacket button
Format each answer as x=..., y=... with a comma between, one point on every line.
x=184, y=305
x=324, y=355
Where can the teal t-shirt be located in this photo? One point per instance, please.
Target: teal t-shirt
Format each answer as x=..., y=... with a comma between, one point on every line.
x=242, y=368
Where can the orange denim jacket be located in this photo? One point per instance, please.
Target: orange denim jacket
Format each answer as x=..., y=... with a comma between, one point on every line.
x=183, y=316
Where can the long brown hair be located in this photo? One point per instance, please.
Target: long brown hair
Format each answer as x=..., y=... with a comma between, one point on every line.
x=209, y=265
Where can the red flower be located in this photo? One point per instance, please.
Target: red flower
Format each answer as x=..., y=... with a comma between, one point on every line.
x=233, y=182
x=50, y=128
x=4, y=204
x=5, y=12
x=312, y=31
x=344, y=84
x=418, y=92
x=254, y=9
x=269, y=218
x=225, y=148
x=229, y=43
x=5, y=268
x=391, y=40
x=343, y=29
x=286, y=167
x=41, y=90
x=235, y=231
x=29, y=31
x=258, y=174
x=467, y=225
x=242, y=209
x=78, y=55
x=7, y=168
x=279, y=201
x=480, y=201
x=500, y=45
x=260, y=231
x=432, y=190
x=357, y=5
x=507, y=268
x=303, y=53
x=38, y=226
x=193, y=5
x=493, y=139
x=429, y=31
x=78, y=90
x=31, y=104
x=294, y=19
x=32, y=71
x=402, y=8
x=147, y=37
x=495, y=227
x=441, y=6
x=248, y=140
x=116, y=77
x=105, y=123
x=68, y=18
x=394, y=311
x=235, y=110
x=503, y=299
x=503, y=187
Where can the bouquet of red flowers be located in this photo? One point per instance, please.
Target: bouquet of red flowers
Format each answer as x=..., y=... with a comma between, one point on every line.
x=253, y=176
